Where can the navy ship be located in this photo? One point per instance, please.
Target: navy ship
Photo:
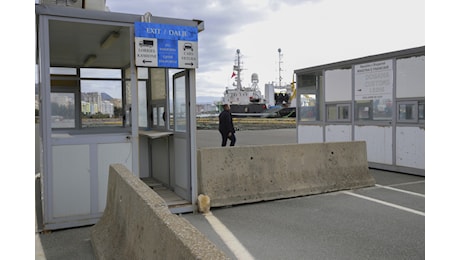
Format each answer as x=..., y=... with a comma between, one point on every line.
x=244, y=101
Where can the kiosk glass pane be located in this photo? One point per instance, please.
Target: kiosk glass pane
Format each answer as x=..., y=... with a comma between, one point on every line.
x=338, y=112
x=407, y=112
x=308, y=107
x=332, y=112
x=101, y=103
x=142, y=103
x=62, y=110
x=382, y=109
x=343, y=112
x=180, y=108
x=421, y=110
x=100, y=73
x=161, y=111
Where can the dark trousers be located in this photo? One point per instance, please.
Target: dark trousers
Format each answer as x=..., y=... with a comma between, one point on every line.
x=225, y=137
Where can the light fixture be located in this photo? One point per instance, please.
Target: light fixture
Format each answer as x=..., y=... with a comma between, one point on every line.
x=113, y=36
x=89, y=60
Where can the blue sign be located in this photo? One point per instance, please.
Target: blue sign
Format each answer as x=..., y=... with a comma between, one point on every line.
x=166, y=31
x=167, y=53
x=172, y=46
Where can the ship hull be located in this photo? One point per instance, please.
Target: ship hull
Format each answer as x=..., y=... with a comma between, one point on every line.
x=247, y=109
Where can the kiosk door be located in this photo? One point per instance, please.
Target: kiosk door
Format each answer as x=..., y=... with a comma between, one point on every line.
x=181, y=108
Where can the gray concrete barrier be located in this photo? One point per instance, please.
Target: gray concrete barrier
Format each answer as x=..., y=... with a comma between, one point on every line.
x=137, y=224
x=245, y=174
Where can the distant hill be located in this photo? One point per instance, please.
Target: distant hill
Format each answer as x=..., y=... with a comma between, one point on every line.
x=106, y=96
x=207, y=99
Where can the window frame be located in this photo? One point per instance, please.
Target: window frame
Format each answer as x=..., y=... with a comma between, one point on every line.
x=337, y=107
x=76, y=90
x=364, y=104
x=416, y=104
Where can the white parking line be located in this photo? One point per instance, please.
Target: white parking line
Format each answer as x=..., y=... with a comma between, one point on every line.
x=229, y=239
x=39, y=253
x=404, y=191
x=385, y=203
x=407, y=183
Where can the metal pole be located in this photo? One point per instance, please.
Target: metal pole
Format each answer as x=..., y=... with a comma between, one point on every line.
x=279, y=66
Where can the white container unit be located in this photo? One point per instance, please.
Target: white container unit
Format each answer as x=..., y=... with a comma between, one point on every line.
x=379, y=99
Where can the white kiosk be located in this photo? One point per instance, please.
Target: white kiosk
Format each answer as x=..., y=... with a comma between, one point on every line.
x=113, y=88
x=379, y=99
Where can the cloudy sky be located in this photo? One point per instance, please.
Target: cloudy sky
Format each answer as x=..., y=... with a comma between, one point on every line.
x=309, y=33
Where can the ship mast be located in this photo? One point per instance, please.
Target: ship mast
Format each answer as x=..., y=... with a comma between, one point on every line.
x=237, y=67
x=279, y=66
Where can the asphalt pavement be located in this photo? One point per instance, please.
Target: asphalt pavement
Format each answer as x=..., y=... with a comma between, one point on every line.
x=382, y=222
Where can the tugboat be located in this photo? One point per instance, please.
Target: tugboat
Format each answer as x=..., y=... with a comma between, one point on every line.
x=244, y=101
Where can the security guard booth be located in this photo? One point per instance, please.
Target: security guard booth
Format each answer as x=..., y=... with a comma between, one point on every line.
x=379, y=99
x=113, y=88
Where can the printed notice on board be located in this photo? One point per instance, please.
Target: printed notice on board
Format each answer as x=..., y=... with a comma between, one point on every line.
x=374, y=80
x=165, y=45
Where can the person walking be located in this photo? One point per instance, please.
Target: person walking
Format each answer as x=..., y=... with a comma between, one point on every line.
x=226, y=128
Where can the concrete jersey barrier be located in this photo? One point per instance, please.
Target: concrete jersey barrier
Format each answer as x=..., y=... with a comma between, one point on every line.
x=245, y=174
x=137, y=224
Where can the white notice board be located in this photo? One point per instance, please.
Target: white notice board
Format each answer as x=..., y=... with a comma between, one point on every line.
x=374, y=80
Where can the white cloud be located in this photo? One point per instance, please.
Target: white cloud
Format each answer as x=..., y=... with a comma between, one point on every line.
x=310, y=33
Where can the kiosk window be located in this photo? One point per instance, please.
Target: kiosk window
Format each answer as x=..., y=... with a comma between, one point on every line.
x=308, y=107
x=411, y=111
x=86, y=98
x=162, y=113
x=374, y=109
x=180, y=104
x=338, y=112
x=309, y=97
x=363, y=110
x=63, y=110
x=421, y=110
x=101, y=103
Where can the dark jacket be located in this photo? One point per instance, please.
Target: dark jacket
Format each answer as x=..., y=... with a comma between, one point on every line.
x=226, y=122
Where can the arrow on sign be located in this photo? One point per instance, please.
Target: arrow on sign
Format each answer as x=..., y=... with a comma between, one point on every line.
x=191, y=64
x=146, y=61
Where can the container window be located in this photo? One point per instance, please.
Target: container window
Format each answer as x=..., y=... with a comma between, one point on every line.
x=308, y=108
x=63, y=110
x=408, y=111
x=338, y=112
x=86, y=98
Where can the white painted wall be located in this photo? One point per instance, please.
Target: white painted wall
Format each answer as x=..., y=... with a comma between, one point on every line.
x=106, y=155
x=71, y=181
x=410, y=77
x=309, y=134
x=338, y=84
x=410, y=147
x=338, y=133
x=378, y=142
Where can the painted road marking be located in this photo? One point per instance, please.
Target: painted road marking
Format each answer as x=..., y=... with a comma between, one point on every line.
x=229, y=239
x=385, y=203
x=39, y=253
x=399, y=190
x=407, y=183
